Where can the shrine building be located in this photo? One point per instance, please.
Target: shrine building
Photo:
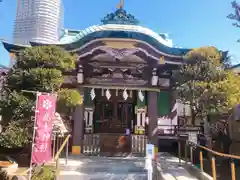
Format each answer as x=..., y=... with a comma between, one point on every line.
x=124, y=73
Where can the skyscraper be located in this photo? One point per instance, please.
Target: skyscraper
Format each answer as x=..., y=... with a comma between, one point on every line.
x=38, y=21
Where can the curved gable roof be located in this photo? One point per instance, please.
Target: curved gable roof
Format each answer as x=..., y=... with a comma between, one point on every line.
x=13, y=47
x=120, y=27
x=124, y=32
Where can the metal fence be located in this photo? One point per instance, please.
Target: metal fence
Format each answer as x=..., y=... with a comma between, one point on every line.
x=57, y=141
x=139, y=144
x=219, y=166
x=92, y=146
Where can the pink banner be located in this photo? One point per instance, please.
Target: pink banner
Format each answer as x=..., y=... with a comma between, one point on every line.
x=45, y=110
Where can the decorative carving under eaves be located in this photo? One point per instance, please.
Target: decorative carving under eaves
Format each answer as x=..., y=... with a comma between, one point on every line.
x=106, y=75
x=117, y=72
x=117, y=53
x=123, y=69
x=97, y=70
x=111, y=69
x=116, y=76
x=112, y=54
x=139, y=66
x=120, y=54
x=116, y=81
x=94, y=64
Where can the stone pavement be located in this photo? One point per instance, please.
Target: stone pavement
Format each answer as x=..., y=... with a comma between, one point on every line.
x=104, y=168
x=171, y=169
x=131, y=168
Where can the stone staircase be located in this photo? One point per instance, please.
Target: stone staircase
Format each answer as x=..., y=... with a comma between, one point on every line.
x=102, y=168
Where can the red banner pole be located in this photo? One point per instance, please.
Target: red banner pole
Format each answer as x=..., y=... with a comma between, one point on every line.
x=34, y=132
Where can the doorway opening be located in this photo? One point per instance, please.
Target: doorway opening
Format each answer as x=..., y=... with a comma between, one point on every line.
x=114, y=115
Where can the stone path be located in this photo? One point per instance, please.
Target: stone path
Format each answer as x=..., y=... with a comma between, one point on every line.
x=131, y=168
x=171, y=169
x=104, y=168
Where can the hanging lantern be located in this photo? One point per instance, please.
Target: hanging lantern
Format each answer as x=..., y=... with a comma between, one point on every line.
x=92, y=94
x=108, y=94
x=140, y=95
x=162, y=60
x=131, y=93
x=80, y=75
x=125, y=94
x=154, y=77
x=102, y=92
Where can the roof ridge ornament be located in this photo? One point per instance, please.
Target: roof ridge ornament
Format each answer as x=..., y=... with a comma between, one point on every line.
x=120, y=16
x=121, y=4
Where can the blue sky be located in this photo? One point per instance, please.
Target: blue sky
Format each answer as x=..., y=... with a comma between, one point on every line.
x=189, y=23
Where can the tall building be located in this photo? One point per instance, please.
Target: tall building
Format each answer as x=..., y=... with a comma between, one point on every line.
x=38, y=21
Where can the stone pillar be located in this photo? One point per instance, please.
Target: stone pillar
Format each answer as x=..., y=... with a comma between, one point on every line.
x=78, y=129
x=153, y=117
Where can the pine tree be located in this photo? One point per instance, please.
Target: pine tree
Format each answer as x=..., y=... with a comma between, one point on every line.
x=37, y=69
x=199, y=81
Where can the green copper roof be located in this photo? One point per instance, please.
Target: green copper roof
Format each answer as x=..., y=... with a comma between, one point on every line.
x=114, y=31
x=68, y=36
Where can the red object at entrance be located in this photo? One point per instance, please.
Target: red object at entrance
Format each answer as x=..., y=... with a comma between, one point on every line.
x=122, y=141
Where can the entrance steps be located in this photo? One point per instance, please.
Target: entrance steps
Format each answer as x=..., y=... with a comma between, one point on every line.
x=81, y=167
x=102, y=168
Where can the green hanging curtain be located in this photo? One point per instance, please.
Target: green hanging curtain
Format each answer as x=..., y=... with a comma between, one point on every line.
x=141, y=104
x=163, y=103
x=88, y=102
x=97, y=117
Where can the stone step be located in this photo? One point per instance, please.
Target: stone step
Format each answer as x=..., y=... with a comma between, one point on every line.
x=102, y=168
x=81, y=176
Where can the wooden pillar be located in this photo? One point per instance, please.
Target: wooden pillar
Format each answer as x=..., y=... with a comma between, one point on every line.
x=78, y=129
x=153, y=117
